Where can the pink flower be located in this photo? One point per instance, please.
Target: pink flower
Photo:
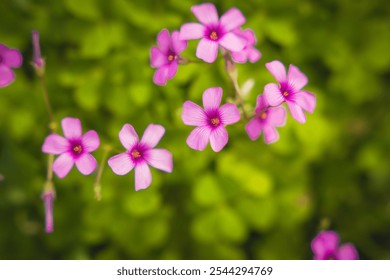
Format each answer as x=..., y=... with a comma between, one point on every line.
x=165, y=57
x=213, y=31
x=38, y=61
x=141, y=154
x=289, y=90
x=210, y=121
x=266, y=119
x=249, y=52
x=325, y=246
x=74, y=148
x=48, y=199
x=9, y=58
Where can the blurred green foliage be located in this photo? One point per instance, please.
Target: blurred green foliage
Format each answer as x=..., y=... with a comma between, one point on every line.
x=250, y=201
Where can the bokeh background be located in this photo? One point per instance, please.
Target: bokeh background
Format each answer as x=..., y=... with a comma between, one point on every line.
x=251, y=200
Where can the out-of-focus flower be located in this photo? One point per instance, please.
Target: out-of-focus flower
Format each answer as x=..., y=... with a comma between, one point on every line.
x=74, y=148
x=9, y=58
x=326, y=246
x=210, y=121
x=214, y=32
x=249, y=52
x=38, y=62
x=165, y=57
x=289, y=90
x=140, y=154
x=265, y=120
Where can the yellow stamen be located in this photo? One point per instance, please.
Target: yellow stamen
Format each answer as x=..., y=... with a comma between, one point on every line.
x=215, y=121
x=77, y=149
x=214, y=36
x=135, y=154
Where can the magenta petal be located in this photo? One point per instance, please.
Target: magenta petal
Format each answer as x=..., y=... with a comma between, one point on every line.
x=232, y=19
x=324, y=242
x=306, y=100
x=253, y=128
x=205, y=13
x=63, y=164
x=212, y=98
x=278, y=70
x=271, y=135
x=261, y=103
x=254, y=55
x=143, y=177
x=207, y=50
x=232, y=42
x=240, y=57
x=172, y=70
x=128, y=136
x=249, y=36
x=13, y=58
x=199, y=138
x=71, y=127
x=296, y=111
x=277, y=116
x=160, y=77
x=86, y=164
x=152, y=135
x=273, y=95
x=193, y=114
x=347, y=252
x=190, y=31
x=90, y=141
x=160, y=159
x=296, y=78
x=7, y=76
x=229, y=113
x=55, y=144
x=163, y=40
x=157, y=58
x=177, y=44
x=218, y=138
x=121, y=164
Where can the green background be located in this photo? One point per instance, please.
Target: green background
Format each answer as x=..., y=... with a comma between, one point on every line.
x=251, y=200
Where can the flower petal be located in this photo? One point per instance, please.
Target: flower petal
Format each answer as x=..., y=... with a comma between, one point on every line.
x=306, y=100
x=261, y=103
x=86, y=163
x=347, y=252
x=218, y=138
x=63, y=164
x=277, y=116
x=55, y=144
x=191, y=31
x=160, y=77
x=7, y=76
x=254, y=55
x=240, y=57
x=296, y=111
x=163, y=40
x=193, y=114
x=205, y=13
x=207, y=50
x=160, y=159
x=212, y=98
x=172, y=70
x=199, y=138
x=13, y=58
x=152, y=135
x=157, y=58
x=296, y=79
x=253, y=128
x=324, y=242
x=232, y=42
x=90, y=141
x=277, y=70
x=177, y=44
x=71, y=127
x=271, y=135
x=229, y=113
x=232, y=19
x=273, y=95
x=143, y=177
x=121, y=164
x=128, y=136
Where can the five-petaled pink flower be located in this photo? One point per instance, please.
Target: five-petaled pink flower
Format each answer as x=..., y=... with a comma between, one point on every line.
x=214, y=32
x=289, y=90
x=165, y=57
x=210, y=121
x=141, y=154
x=325, y=246
x=266, y=119
x=9, y=58
x=74, y=148
x=249, y=52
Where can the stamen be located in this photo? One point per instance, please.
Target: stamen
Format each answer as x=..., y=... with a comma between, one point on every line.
x=135, y=154
x=77, y=149
x=263, y=115
x=215, y=121
x=285, y=93
x=170, y=57
x=214, y=36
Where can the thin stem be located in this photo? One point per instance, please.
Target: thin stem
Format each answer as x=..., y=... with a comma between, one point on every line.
x=97, y=186
x=50, y=160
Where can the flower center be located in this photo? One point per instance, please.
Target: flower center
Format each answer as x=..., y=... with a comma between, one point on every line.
x=77, y=149
x=263, y=115
x=135, y=154
x=171, y=57
x=215, y=121
x=285, y=94
x=1, y=59
x=213, y=36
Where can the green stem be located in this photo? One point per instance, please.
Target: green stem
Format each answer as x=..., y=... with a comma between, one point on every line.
x=97, y=186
